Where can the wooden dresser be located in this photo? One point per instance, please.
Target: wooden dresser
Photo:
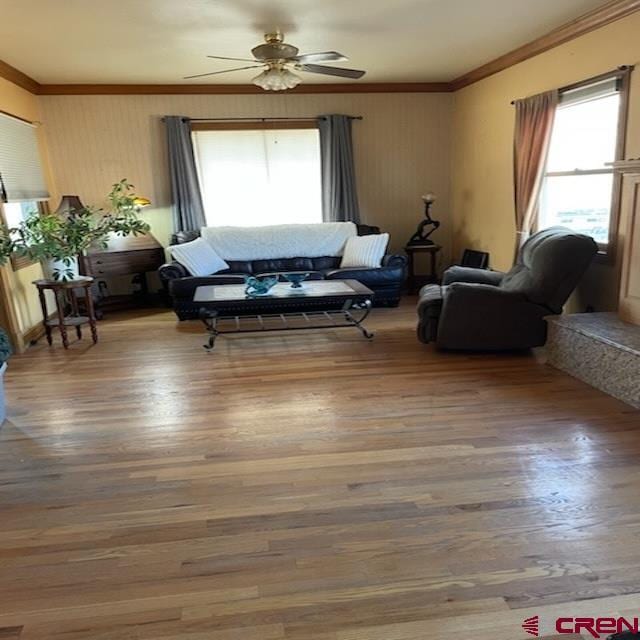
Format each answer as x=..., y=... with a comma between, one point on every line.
x=125, y=256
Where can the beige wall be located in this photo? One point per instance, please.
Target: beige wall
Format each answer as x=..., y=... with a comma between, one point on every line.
x=481, y=171
x=402, y=147
x=21, y=103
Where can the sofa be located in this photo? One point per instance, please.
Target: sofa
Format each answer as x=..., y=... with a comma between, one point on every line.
x=480, y=310
x=385, y=281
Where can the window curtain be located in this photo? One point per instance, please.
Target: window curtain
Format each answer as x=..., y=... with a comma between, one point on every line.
x=188, y=212
x=534, y=124
x=339, y=193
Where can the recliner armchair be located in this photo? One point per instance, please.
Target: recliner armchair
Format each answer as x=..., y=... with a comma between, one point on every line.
x=481, y=310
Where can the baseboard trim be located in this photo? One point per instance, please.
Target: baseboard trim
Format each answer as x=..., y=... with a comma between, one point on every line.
x=32, y=335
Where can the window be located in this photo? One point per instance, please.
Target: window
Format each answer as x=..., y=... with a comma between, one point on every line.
x=16, y=212
x=22, y=186
x=579, y=190
x=12, y=214
x=254, y=177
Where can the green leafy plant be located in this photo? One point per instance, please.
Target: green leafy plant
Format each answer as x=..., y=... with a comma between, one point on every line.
x=64, y=237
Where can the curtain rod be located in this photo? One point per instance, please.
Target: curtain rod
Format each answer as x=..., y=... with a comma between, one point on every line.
x=625, y=68
x=275, y=119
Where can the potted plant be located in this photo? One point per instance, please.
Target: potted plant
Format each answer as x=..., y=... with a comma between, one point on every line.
x=57, y=240
x=5, y=352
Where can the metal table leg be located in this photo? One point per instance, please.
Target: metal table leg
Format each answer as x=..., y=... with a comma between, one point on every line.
x=210, y=320
x=365, y=307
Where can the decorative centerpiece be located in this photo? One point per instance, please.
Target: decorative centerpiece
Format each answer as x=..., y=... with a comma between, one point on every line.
x=259, y=286
x=428, y=225
x=296, y=278
x=57, y=239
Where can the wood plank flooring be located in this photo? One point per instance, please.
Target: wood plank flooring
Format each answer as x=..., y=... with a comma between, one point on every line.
x=308, y=486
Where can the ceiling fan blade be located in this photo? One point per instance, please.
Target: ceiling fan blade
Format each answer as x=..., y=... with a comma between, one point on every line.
x=215, y=73
x=236, y=59
x=324, y=56
x=332, y=71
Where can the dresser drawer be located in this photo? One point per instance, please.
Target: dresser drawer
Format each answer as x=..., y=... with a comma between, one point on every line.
x=124, y=262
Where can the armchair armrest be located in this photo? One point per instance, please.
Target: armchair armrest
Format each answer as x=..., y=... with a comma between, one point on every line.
x=485, y=317
x=172, y=271
x=468, y=274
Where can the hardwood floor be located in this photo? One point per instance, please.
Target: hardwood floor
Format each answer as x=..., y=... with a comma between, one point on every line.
x=308, y=486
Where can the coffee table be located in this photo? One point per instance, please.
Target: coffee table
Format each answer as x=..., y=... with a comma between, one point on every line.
x=319, y=304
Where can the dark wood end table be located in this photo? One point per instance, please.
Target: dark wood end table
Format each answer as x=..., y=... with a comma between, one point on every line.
x=415, y=281
x=66, y=298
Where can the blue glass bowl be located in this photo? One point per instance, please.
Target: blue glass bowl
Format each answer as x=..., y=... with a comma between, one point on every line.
x=296, y=279
x=259, y=286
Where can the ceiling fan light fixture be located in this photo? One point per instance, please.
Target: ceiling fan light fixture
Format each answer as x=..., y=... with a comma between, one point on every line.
x=275, y=79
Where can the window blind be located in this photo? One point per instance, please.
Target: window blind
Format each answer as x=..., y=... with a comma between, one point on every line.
x=259, y=177
x=21, y=176
x=601, y=89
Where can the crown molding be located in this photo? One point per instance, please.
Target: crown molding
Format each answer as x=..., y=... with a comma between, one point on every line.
x=17, y=77
x=600, y=17
x=229, y=89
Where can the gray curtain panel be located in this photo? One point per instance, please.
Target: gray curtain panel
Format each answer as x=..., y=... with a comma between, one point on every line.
x=188, y=212
x=339, y=193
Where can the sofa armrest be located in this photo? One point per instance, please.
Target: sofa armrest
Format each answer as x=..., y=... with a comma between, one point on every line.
x=468, y=274
x=484, y=317
x=172, y=271
x=391, y=273
x=395, y=261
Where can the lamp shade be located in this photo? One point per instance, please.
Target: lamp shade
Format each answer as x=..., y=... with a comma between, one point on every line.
x=68, y=204
x=139, y=201
x=276, y=79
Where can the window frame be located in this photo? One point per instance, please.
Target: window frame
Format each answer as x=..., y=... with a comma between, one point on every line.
x=607, y=252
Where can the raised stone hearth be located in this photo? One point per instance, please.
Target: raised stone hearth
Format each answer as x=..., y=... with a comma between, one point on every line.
x=599, y=349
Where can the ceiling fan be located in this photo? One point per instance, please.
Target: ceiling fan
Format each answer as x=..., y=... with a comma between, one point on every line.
x=276, y=57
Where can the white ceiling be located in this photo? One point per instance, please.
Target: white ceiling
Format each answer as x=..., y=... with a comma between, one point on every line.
x=160, y=41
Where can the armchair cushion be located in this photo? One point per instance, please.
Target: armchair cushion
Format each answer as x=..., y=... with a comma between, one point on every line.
x=479, y=316
x=469, y=274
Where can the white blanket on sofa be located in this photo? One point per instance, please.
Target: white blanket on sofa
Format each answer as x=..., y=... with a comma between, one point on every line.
x=279, y=241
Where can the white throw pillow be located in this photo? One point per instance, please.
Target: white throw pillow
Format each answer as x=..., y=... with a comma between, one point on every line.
x=198, y=257
x=365, y=251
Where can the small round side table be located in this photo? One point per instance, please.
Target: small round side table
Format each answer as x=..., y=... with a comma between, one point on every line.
x=415, y=281
x=65, y=296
